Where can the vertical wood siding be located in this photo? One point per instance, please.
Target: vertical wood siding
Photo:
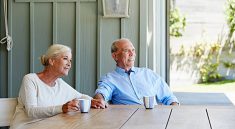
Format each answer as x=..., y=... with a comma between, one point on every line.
x=36, y=24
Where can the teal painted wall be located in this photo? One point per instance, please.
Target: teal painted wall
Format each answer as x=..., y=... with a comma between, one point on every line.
x=3, y=56
x=36, y=24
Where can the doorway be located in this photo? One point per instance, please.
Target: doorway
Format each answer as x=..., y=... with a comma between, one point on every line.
x=203, y=26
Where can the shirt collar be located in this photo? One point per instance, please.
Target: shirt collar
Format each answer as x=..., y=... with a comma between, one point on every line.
x=122, y=71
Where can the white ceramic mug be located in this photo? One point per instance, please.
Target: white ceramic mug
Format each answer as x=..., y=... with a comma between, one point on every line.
x=149, y=102
x=85, y=105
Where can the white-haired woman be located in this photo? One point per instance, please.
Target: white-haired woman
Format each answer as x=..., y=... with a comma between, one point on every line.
x=45, y=94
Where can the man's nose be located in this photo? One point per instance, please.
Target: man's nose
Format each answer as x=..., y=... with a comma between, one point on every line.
x=131, y=53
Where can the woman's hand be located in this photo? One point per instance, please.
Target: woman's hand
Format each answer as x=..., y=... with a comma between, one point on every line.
x=72, y=105
x=99, y=103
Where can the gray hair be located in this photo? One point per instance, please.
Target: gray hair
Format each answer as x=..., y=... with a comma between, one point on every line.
x=114, y=44
x=54, y=51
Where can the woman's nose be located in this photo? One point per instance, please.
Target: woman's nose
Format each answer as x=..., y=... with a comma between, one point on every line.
x=69, y=63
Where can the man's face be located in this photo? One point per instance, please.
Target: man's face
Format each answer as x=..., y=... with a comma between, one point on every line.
x=125, y=55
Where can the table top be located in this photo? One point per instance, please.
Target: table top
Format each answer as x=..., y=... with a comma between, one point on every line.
x=137, y=117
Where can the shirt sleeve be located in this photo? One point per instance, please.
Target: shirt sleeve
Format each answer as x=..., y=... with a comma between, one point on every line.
x=105, y=89
x=163, y=92
x=28, y=95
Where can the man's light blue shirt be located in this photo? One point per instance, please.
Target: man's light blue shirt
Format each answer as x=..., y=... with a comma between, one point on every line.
x=121, y=88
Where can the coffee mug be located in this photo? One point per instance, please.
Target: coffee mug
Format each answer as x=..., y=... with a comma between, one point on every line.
x=149, y=102
x=85, y=105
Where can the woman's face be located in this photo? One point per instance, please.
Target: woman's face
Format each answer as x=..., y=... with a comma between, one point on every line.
x=62, y=64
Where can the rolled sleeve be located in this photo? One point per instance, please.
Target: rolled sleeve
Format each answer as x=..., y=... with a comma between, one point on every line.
x=169, y=100
x=105, y=89
x=103, y=92
x=164, y=94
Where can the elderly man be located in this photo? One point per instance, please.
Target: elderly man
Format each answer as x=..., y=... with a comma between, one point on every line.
x=128, y=84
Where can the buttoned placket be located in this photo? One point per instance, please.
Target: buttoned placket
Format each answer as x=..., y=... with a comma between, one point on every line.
x=134, y=88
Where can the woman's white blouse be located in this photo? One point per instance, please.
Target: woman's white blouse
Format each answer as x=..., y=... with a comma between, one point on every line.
x=37, y=100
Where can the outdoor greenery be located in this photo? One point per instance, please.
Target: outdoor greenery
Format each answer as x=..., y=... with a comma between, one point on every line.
x=219, y=83
x=229, y=65
x=225, y=86
x=177, y=22
x=230, y=13
x=206, y=57
x=208, y=70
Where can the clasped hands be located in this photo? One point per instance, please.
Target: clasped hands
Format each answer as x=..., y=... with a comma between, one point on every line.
x=73, y=105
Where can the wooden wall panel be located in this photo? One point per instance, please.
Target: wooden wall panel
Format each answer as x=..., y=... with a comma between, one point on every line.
x=88, y=45
x=130, y=27
x=36, y=24
x=3, y=57
x=66, y=32
x=110, y=31
x=41, y=32
x=19, y=56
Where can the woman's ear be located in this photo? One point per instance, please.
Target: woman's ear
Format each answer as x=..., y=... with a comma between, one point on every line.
x=51, y=62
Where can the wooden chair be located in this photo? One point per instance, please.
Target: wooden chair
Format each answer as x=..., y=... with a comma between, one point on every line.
x=7, y=110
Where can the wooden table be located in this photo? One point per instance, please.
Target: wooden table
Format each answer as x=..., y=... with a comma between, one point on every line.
x=137, y=117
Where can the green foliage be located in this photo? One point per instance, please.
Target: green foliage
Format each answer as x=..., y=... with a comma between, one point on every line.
x=219, y=83
x=197, y=50
x=229, y=65
x=230, y=13
x=177, y=23
x=210, y=62
x=181, y=51
x=206, y=58
x=209, y=72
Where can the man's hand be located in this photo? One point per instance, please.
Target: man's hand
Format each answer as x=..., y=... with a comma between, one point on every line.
x=174, y=103
x=98, y=103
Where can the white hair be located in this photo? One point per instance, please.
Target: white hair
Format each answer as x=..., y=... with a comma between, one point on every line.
x=114, y=47
x=53, y=51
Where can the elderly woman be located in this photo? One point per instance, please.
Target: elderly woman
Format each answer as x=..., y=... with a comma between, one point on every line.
x=45, y=94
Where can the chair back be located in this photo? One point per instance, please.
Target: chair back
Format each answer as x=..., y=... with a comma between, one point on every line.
x=7, y=110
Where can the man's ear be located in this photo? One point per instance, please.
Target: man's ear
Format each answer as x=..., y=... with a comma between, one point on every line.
x=114, y=56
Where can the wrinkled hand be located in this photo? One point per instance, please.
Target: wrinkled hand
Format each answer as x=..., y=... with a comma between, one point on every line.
x=99, y=103
x=72, y=105
x=174, y=103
